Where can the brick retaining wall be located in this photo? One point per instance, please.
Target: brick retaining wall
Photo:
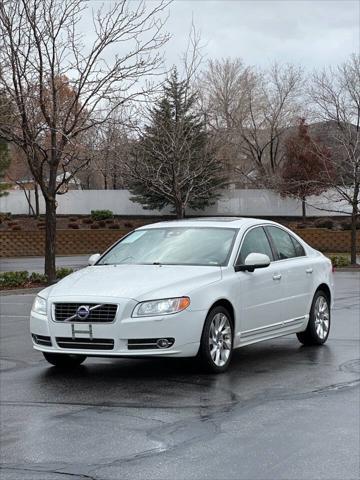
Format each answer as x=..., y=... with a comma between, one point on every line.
x=69, y=242
x=328, y=240
x=75, y=242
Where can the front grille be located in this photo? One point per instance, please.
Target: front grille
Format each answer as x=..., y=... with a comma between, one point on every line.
x=86, y=343
x=99, y=313
x=42, y=340
x=148, y=343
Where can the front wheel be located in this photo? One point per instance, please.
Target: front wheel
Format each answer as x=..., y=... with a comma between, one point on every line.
x=318, y=327
x=217, y=341
x=64, y=360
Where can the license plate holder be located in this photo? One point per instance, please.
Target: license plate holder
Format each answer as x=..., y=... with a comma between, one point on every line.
x=76, y=330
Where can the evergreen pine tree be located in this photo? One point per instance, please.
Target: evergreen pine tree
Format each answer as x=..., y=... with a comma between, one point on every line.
x=174, y=163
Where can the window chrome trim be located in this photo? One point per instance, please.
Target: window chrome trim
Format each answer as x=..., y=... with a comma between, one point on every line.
x=243, y=238
x=291, y=238
x=264, y=225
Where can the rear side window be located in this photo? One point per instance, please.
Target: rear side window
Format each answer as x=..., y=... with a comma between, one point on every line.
x=299, y=249
x=282, y=242
x=255, y=241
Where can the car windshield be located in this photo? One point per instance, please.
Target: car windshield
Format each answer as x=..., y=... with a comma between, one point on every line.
x=173, y=246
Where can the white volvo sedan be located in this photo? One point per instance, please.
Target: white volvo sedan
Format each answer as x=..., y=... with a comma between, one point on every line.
x=197, y=287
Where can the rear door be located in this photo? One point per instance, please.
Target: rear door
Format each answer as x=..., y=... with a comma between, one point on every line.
x=296, y=273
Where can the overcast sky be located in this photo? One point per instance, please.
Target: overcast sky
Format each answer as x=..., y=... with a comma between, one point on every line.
x=313, y=33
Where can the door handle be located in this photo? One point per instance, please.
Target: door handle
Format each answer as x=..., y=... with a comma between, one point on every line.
x=309, y=270
x=277, y=277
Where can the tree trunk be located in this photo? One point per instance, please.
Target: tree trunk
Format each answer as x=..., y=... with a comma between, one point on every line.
x=180, y=210
x=353, y=240
x=303, y=205
x=50, y=239
x=36, y=193
x=354, y=217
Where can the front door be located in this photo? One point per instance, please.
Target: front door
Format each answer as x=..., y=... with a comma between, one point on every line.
x=260, y=292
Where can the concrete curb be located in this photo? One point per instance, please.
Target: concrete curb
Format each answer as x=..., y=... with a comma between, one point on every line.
x=20, y=291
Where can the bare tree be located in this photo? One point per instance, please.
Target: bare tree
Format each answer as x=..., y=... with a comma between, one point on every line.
x=336, y=96
x=223, y=88
x=111, y=151
x=251, y=110
x=272, y=107
x=42, y=54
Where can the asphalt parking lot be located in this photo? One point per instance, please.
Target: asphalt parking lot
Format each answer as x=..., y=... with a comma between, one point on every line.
x=282, y=411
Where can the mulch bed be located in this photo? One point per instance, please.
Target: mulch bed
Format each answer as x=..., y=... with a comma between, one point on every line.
x=76, y=222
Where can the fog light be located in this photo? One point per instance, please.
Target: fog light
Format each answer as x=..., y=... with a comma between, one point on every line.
x=163, y=343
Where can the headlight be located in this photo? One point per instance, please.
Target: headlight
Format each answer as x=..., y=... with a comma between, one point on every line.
x=165, y=306
x=39, y=305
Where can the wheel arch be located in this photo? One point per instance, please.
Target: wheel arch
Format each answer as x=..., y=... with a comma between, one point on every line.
x=325, y=288
x=223, y=302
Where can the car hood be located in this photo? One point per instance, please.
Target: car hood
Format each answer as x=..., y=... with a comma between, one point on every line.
x=139, y=282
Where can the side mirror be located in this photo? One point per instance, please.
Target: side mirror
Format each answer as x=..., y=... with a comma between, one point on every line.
x=252, y=261
x=94, y=258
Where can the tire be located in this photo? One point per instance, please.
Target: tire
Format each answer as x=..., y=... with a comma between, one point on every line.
x=64, y=360
x=216, y=347
x=318, y=327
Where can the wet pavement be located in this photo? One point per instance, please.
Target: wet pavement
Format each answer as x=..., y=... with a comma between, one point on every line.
x=282, y=411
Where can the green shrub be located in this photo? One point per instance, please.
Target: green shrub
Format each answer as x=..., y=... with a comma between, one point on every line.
x=13, y=279
x=63, y=272
x=38, y=278
x=5, y=216
x=324, y=223
x=346, y=224
x=23, y=279
x=101, y=214
x=340, y=260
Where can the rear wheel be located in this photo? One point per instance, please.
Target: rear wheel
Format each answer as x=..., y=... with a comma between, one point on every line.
x=217, y=341
x=318, y=327
x=64, y=360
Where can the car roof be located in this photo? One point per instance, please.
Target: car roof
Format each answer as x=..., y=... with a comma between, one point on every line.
x=218, y=222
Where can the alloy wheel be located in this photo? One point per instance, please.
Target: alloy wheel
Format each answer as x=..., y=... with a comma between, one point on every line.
x=220, y=339
x=322, y=317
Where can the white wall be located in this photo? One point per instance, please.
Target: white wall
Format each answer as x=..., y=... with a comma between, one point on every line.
x=232, y=202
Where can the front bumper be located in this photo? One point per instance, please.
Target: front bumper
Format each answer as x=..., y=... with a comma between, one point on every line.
x=185, y=327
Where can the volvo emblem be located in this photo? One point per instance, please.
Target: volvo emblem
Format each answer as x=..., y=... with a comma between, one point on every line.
x=83, y=312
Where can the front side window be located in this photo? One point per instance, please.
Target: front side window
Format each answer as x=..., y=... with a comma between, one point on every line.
x=255, y=241
x=173, y=246
x=282, y=242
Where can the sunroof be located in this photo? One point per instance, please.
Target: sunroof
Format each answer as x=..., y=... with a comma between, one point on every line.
x=214, y=219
